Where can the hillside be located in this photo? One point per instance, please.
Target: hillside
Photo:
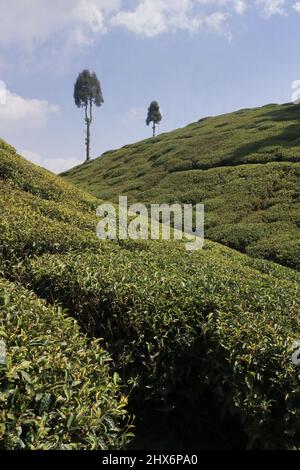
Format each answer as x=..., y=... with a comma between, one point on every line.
x=244, y=166
x=50, y=383
x=97, y=331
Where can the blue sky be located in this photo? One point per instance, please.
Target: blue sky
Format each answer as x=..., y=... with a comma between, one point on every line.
x=196, y=57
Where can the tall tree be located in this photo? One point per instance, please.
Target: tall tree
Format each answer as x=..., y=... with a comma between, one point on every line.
x=154, y=115
x=87, y=91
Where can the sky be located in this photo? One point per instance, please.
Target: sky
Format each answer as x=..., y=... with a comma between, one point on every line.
x=196, y=58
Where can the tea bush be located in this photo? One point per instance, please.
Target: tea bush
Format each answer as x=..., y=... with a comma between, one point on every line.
x=56, y=391
x=30, y=226
x=282, y=249
x=24, y=233
x=244, y=166
x=175, y=323
x=173, y=319
x=238, y=236
x=35, y=180
x=59, y=211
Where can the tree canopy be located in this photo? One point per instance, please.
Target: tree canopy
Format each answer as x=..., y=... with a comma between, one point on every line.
x=87, y=90
x=154, y=115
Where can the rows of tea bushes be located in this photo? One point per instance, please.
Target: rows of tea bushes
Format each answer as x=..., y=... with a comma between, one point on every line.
x=56, y=391
x=57, y=387
x=30, y=226
x=35, y=180
x=39, y=212
x=174, y=319
x=278, y=242
x=174, y=323
x=244, y=166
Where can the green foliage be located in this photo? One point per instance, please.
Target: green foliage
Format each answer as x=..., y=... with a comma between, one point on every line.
x=281, y=248
x=31, y=226
x=35, y=180
x=239, y=236
x=153, y=114
x=174, y=320
x=175, y=323
x=244, y=166
x=87, y=90
x=41, y=213
x=56, y=391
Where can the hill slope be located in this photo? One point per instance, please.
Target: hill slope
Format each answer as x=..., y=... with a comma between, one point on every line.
x=53, y=374
x=187, y=332
x=244, y=166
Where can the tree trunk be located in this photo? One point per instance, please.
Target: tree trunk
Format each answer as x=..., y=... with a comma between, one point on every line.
x=88, y=120
x=88, y=140
x=153, y=129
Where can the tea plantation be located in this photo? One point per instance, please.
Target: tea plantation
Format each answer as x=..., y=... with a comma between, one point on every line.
x=244, y=166
x=99, y=331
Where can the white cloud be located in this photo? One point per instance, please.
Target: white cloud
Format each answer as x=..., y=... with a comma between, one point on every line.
x=147, y=19
x=134, y=114
x=296, y=7
x=34, y=23
x=153, y=17
x=25, y=113
x=240, y=6
x=56, y=165
x=272, y=7
x=218, y=22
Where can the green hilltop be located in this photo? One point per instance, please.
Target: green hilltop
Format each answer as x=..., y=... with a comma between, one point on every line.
x=197, y=345
x=244, y=166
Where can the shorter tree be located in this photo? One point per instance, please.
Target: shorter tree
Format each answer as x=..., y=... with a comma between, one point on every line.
x=87, y=91
x=154, y=115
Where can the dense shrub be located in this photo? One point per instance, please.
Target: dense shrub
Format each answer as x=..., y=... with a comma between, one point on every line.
x=10, y=196
x=24, y=233
x=238, y=236
x=244, y=166
x=175, y=323
x=172, y=319
x=30, y=225
x=33, y=179
x=281, y=249
x=56, y=391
